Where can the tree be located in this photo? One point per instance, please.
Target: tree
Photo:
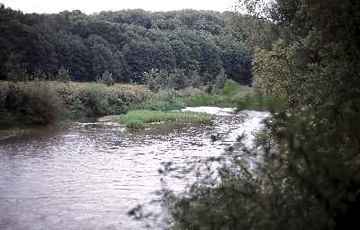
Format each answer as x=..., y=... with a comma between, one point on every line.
x=107, y=78
x=309, y=178
x=63, y=75
x=126, y=43
x=237, y=59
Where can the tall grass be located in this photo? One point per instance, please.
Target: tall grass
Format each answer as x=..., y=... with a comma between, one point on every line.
x=93, y=100
x=45, y=102
x=164, y=100
x=261, y=103
x=139, y=118
x=229, y=96
x=34, y=103
x=167, y=100
x=235, y=95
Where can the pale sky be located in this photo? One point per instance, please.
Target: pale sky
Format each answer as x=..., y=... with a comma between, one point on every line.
x=91, y=6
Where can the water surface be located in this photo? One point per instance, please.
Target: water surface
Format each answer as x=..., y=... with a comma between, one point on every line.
x=90, y=175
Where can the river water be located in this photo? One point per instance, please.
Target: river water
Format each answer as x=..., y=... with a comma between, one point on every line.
x=89, y=176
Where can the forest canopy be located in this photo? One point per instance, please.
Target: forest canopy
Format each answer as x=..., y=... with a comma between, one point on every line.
x=125, y=43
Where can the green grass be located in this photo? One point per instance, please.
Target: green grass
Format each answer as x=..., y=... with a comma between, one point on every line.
x=46, y=102
x=138, y=119
x=261, y=103
x=232, y=88
x=166, y=100
x=235, y=95
x=208, y=100
x=94, y=99
x=232, y=95
x=161, y=101
x=229, y=96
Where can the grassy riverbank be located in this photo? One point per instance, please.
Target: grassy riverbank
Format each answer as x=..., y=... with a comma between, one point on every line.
x=48, y=102
x=231, y=95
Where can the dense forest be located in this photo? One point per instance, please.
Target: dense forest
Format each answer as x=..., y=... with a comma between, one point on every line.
x=125, y=43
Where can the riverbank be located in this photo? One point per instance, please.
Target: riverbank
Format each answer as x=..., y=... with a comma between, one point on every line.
x=42, y=103
x=48, y=102
x=232, y=95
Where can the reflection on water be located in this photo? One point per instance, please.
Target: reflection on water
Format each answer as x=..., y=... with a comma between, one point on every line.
x=89, y=176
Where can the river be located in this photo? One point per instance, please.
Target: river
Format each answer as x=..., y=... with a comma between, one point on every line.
x=90, y=175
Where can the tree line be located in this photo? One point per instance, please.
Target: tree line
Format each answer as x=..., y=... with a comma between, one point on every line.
x=126, y=43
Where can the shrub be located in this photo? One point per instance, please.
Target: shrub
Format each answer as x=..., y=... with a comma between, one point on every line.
x=260, y=102
x=106, y=78
x=231, y=87
x=162, y=101
x=208, y=100
x=161, y=79
x=95, y=100
x=156, y=79
x=220, y=80
x=63, y=75
x=16, y=75
x=194, y=79
x=92, y=100
x=33, y=103
x=178, y=80
x=3, y=94
x=43, y=102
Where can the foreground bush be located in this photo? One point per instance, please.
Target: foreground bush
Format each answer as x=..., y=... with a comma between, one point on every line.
x=261, y=197
x=309, y=177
